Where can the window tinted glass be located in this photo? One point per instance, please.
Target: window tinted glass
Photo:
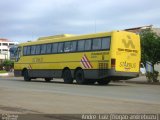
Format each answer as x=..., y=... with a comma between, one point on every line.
x=67, y=46
x=28, y=50
x=43, y=49
x=38, y=49
x=24, y=50
x=88, y=45
x=49, y=48
x=73, y=46
x=60, y=47
x=81, y=45
x=96, y=44
x=54, y=47
x=33, y=50
x=106, y=43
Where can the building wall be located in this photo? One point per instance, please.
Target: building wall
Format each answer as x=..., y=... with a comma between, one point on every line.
x=157, y=30
x=4, y=48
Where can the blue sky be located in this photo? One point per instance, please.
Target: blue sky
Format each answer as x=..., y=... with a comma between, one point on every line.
x=23, y=20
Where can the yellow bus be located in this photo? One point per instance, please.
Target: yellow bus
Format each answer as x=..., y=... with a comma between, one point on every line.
x=99, y=57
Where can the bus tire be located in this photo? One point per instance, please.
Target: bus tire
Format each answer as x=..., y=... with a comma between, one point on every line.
x=67, y=76
x=26, y=76
x=48, y=79
x=103, y=81
x=80, y=77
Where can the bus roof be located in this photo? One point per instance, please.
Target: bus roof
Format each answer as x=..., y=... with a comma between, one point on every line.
x=55, y=36
x=66, y=37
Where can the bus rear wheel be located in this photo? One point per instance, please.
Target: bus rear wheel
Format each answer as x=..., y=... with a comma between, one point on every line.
x=26, y=76
x=67, y=76
x=103, y=81
x=80, y=77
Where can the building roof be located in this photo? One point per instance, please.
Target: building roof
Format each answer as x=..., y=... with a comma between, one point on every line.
x=141, y=27
x=4, y=40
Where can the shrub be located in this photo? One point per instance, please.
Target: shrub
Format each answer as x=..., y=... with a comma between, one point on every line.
x=152, y=76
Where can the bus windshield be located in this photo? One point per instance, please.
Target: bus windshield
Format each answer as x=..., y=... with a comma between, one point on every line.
x=12, y=51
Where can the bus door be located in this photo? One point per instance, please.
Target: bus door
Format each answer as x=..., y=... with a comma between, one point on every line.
x=18, y=54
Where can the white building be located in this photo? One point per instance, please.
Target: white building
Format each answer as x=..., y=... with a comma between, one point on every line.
x=4, y=48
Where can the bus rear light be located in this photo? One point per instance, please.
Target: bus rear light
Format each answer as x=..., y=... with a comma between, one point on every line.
x=113, y=63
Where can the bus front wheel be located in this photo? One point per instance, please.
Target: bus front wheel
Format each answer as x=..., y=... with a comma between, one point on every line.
x=80, y=77
x=26, y=76
x=67, y=77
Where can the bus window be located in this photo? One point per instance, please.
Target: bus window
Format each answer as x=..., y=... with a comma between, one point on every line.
x=24, y=50
x=60, y=47
x=67, y=46
x=28, y=50
x=49, y=48
x=88, y=45
x=106, y=43
x=43, y=49
x=12, y=51
x=73, y=46
x=38, y=47
x=81, y=45
x=33, y=50
x=96, y=44
x=54, y=47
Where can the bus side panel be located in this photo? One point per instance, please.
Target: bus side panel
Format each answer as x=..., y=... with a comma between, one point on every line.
x=94, y=64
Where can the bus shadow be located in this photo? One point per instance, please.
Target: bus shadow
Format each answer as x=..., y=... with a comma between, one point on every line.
x=74, y=83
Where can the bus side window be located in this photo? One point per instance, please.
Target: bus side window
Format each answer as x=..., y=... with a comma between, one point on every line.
x=49, y=48
x=28, y=50
x=67, y=46
x=81, y=45
x=25, y=50
x=54, y=47
x=96, y=44
x=38, y=49
x=43, y=49
x=87, y=45
x=60, y=47
x=33, y=50
x=106, y=43
x=73, y=46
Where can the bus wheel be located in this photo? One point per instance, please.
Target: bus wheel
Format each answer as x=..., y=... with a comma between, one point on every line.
x=103, y=81
x=67, y=77
x=48, y=79
x=80, y=77
x=26, y=76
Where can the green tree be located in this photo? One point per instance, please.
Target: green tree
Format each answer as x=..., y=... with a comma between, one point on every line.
x=8, y=64
x=150, y=48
